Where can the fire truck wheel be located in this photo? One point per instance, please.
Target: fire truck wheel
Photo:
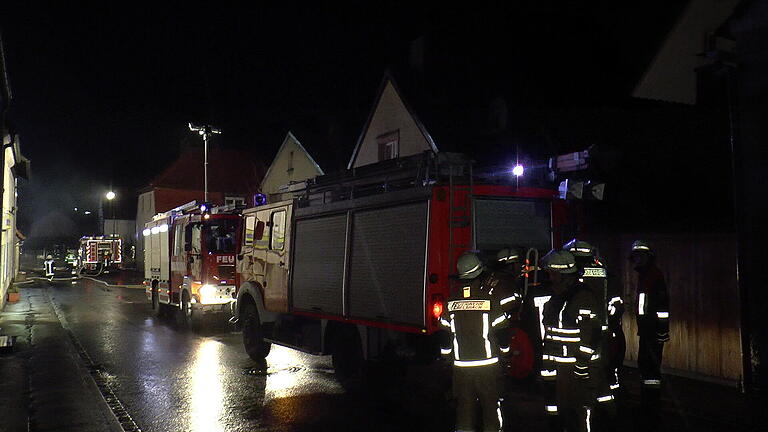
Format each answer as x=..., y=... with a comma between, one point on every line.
x=158, y=308
x=347, y=357
x=253, y=334
x=189, y=319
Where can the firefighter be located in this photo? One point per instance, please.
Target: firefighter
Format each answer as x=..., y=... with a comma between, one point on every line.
x=652, y=320
x=610, y=353
x=571, y=340
x=506, y=278
x=48, y=266
x=475, y=318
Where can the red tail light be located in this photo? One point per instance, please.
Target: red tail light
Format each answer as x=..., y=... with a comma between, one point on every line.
x=437, y=306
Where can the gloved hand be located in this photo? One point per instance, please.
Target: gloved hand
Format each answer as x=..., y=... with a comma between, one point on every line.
x=581, y=372
x=662, y=337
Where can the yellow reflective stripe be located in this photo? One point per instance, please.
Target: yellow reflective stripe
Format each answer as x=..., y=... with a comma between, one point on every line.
x=565, y=331
x=508, y=299
x=445, y=351
x=662, y=314
x=498, y=320
x=504, y=350
x=485, y=335
x=475, y=363
x=564, y=338
x=586, y=349
x=641, y=304
x=473, y=269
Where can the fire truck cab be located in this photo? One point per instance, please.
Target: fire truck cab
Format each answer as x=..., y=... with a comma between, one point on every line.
x=360, y=265
x=189, y=262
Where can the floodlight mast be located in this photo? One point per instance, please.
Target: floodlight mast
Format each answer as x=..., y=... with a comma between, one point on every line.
x=205, y=131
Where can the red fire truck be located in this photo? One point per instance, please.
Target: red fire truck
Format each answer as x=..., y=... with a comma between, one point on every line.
x=359, y=265
x=189, y=260
x=101, y=253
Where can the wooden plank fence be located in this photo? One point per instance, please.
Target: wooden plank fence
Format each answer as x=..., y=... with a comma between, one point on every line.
x=700, y=271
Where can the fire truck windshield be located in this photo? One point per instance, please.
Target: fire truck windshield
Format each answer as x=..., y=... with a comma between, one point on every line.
x=220, y=234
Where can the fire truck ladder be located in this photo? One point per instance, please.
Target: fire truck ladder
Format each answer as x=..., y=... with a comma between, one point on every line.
x=460, y=208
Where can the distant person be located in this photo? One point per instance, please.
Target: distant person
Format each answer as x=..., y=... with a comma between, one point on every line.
x=48, y=266
x=652, y=321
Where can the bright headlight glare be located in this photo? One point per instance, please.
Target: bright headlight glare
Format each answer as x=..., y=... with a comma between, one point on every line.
x=207, y=291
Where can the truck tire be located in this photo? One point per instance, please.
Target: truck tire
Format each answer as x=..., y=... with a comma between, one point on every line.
x=157, y=307
x=189, y=319
x=253, y=334
x=347, y=358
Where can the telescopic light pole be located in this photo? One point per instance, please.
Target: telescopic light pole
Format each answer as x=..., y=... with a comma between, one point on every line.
x=205, y=131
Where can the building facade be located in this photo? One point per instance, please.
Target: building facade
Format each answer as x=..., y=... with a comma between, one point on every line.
x=289, y=169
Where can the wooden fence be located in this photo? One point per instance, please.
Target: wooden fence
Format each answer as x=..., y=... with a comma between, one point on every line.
x=700, y=272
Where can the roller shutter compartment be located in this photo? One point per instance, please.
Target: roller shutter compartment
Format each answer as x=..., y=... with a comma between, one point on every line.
x=386, y=279
x=318, y=264
x=506, y=222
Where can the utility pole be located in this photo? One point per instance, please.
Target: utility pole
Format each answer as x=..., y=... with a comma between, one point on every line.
x=205, y=131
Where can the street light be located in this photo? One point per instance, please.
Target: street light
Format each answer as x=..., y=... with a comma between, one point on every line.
x=111, y=196
x=205, y=131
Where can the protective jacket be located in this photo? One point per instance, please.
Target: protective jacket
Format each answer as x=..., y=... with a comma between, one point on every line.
x=571, y=349
x=477, y=319
x=652, y=303
x=611, y=338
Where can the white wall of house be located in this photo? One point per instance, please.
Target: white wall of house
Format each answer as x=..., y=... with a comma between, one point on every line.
x=292, y=164
x=144, y=212
x=8, y=247
x=390, y=118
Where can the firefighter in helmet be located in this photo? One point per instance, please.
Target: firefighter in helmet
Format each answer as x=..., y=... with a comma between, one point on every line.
x=506, y=276
x=476, y=320
x=48, y=266
x=652, y=319
x=611, y=344
x=571, y=342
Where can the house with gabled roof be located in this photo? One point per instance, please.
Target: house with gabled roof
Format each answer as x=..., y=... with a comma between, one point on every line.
x=392, y=129
x=289, y=169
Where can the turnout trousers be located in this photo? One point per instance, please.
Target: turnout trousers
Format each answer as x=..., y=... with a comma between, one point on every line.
x=473, y=385
x=649, y=360
x=575, y=400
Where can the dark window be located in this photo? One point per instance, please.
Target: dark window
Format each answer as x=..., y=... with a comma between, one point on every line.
x=389, y=145
x=277, y=239
x=221, y=235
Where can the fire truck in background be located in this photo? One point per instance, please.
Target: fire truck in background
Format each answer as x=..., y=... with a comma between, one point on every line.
x=359, y=266
x=189, y=260
x=101, y=253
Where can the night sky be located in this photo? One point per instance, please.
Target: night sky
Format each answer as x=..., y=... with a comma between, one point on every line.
x=103, y=93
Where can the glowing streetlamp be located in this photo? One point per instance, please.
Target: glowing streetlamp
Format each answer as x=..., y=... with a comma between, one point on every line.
x=111, y=196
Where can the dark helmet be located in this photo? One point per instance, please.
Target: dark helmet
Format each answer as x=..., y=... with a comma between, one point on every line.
x=559, y=261
x=579, y=248
x=508, y=255
x=640, y=246
x=469, y=265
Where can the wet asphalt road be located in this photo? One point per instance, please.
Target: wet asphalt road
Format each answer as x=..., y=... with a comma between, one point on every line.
x=171, y=379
